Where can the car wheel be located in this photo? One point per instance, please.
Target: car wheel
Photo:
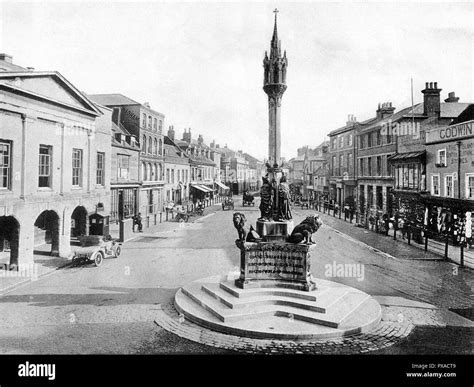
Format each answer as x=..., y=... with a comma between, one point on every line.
x=118, y=250
x=98, y=258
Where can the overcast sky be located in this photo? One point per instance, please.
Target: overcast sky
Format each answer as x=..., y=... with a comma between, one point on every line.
x=200, y=63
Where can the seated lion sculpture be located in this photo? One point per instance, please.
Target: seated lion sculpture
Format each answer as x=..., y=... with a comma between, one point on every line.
x=305, y=230
x=239, y=223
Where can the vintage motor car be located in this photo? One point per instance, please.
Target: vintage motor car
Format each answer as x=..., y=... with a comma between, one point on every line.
x=94, y=248
x=228, y=203
x=248, y=199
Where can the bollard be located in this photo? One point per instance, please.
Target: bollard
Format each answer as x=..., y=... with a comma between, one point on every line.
x=394, y=232
x=446, y=247
x=461, y=263
x=426, y=241
x=161, y=216
x=167, y=214
x=409, y=235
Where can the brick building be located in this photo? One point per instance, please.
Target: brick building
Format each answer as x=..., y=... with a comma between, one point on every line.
x=124, y=174
x=146, y=125
x=342, y=166
x=177, y=170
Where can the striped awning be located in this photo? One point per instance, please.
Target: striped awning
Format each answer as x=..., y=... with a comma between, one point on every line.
x=223, y=186
x=201, y=188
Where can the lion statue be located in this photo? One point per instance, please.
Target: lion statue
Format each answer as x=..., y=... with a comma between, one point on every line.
x=305, y=230
x=239, y=223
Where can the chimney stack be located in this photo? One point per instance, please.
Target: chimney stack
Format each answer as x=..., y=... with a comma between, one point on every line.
x=384, y=110
x=187, y=135
x=431, y=99
x=451, y=97
x=6, y=58
x=171, y=132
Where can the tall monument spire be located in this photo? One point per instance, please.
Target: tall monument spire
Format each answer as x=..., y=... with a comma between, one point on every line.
x=275, y=45
x=274, y=85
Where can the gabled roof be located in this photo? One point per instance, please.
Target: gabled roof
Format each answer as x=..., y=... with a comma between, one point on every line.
x=466, y=115
x=452, y=109
x=113, y=99
x=120, y=129
x=64, y=93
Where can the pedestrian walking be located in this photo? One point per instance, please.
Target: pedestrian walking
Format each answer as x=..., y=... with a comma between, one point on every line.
x=137, y=221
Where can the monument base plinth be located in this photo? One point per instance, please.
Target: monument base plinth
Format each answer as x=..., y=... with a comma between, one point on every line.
x=275, y=264
x=274, y=231
x=269, y=283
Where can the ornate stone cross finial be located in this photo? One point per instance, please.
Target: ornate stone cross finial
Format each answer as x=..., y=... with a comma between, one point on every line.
x=276, y=11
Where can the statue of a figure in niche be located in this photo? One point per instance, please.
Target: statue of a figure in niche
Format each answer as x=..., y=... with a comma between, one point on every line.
x=266, y=200
x=284, y=210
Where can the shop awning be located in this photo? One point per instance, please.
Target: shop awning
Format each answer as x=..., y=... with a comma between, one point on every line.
x=407, y=156
x=223, y=186
x=200, y=187
x=208, y=189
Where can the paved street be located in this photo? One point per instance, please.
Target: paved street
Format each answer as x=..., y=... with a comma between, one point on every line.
x=113, y=308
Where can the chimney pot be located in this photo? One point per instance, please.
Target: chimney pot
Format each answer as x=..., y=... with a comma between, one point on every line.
x=436, y=85
x=426, y=85
x=6, y=58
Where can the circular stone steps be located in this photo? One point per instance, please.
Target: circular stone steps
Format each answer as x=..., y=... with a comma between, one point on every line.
x=331, y=310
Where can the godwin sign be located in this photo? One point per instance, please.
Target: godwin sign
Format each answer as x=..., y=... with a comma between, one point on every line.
x=450, y=133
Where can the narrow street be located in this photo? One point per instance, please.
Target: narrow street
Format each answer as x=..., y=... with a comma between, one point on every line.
x=111, y=309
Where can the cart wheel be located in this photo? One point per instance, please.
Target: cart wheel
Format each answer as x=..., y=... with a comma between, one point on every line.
x=98, y=258
x=118, y=250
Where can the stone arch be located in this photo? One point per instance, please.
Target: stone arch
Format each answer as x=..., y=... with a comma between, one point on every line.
x=79, y=221
x=10, y=237
x=46, y=232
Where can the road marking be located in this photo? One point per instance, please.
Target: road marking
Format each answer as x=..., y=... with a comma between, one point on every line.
x=356, y=241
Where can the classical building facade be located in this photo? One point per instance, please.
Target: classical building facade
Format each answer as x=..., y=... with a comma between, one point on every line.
x=55, y=162
x=147, y=125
